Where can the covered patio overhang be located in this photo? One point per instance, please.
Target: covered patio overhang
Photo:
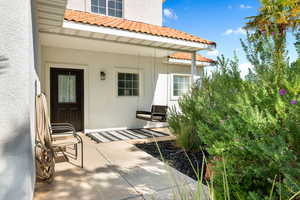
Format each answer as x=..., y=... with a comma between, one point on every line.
x=116, y=41
x=56, y=31
x=80, y=40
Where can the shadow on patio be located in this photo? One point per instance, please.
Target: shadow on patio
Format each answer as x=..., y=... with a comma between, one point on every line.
x=112, y=171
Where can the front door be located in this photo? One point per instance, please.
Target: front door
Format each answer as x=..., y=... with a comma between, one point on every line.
x=67, y=96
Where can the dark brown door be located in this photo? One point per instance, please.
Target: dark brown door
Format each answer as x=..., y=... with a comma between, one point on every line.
x=67, y=96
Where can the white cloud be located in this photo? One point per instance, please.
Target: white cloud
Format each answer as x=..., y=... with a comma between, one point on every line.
x=244, y=67
x=213, y=53
x=228, y=32
x=169, y=13
x=238, y=31
x=243, y=6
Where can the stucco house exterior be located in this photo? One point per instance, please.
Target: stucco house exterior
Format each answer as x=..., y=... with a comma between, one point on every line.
x=97, y=61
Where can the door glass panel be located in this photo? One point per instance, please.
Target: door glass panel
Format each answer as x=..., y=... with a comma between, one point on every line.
x=66, y=89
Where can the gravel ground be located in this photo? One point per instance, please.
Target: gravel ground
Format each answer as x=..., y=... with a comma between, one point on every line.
x=176, y=157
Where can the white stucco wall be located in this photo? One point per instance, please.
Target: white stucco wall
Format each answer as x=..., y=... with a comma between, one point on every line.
x=79, y=5
x=147, y=11
x=103, y=108
x=17, y=90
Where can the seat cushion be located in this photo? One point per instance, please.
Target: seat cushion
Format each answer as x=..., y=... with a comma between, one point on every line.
x=144, y=116
x=65, y=141
x=62, y=135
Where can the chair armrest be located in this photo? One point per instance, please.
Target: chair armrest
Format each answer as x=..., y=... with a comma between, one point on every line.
x=62, y=125
x=62, y=128
x=143, y=112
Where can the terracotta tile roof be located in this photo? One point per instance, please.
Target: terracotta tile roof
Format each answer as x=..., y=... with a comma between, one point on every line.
x=123, y=24
x=188, y=56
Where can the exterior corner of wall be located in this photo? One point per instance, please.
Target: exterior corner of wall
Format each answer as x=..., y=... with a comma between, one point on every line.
x=17, y=73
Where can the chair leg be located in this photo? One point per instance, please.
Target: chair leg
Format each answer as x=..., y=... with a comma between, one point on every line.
x=81, y=154
x=81, y=143
x=76, y=150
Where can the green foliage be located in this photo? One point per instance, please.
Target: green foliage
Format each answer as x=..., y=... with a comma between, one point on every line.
x=297, y=43
x=253, y=124
x=276, y=14
x=183, y=127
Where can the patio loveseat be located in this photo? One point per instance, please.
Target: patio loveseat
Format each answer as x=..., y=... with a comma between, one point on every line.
x=158, y=113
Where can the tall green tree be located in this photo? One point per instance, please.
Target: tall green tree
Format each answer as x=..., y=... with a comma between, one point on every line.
x=276, y=15
x=297, y=43
x=275, y=18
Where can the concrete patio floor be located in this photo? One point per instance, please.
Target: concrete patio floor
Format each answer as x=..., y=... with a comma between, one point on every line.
x=114, y=171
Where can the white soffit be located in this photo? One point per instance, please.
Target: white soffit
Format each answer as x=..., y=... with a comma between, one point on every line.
x=60, y=40
x=187, y=62
x=142, y=39
x=50, y=13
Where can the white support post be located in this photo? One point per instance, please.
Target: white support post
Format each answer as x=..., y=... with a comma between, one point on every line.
x=194, y=67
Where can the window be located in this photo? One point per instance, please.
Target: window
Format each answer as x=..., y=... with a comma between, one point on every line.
x=181, y=84
x=66, y=89
x=128, y=84
x=108, y=7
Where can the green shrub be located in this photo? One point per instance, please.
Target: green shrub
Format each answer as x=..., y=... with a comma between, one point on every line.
x=254, y=124
x=183, y=127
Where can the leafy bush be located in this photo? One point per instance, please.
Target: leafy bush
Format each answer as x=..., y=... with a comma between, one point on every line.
x=252, y=124
x=183, y=126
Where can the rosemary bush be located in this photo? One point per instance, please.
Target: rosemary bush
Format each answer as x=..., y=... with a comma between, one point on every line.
x=253, y=124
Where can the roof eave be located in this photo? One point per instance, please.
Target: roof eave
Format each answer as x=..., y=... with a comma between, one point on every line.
x=50, y=13
x=189, y=62
x=151, y=40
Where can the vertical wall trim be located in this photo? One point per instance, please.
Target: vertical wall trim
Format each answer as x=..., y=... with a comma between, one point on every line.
x=194, y=67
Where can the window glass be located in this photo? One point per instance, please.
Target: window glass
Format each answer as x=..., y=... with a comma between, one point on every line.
x=111, y=12
x=95, y=9
x=66, y=89
x=128, y=84
x=102, y=10
x=111, y=4
x=94, y=2
x=181, y=85
x=102, y=3
x=119, y=6
x=119, y=14
x=108, y=7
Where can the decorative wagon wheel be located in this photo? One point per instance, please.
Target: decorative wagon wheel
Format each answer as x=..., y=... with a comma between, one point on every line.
x=44, y=154
x=45, y=163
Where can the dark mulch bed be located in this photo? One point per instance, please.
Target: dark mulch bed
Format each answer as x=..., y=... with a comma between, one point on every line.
x=176, y=157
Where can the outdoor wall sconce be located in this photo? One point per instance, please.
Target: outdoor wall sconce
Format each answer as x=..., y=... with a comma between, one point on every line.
x=102, y=76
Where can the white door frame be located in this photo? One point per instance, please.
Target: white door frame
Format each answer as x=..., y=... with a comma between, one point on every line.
x=86, y=86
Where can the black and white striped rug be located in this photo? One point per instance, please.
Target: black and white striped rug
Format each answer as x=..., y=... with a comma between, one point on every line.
x=129, y=134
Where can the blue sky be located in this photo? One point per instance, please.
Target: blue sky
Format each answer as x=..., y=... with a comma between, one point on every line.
x=217, y=20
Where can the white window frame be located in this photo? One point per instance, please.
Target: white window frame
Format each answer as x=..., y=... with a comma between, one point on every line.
x=172, y=84
x=106, y=9
x=133, y=71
